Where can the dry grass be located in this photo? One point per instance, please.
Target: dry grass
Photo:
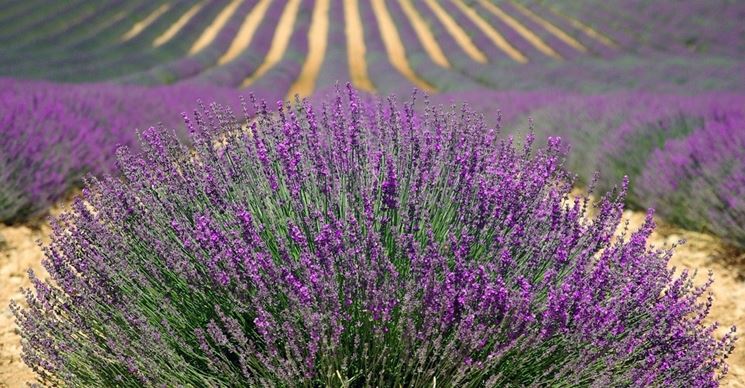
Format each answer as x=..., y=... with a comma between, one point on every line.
x=394, y=48
x=317, y=42
x=210, y=33
x=246, y=33
x=280, y=41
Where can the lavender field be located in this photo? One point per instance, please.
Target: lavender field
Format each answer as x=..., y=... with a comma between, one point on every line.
x=354, y=193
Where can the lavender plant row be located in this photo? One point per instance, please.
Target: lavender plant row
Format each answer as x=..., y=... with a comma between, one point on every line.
x=661, y=142
x=357, y=243
x=422, y=64
x=681, y=28
x=699, y=181
x=234, y=72
x=103, y=56
x=54, y=134
x=190, y=66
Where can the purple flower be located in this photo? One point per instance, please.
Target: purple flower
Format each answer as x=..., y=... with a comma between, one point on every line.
x=374, y=242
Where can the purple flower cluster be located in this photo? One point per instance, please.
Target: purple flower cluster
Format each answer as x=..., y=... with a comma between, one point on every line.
x=699, y=181
x=357, y=242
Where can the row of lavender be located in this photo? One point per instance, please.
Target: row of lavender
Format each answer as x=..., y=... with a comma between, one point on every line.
x=89, y=46
x=680, y=27
x=598, y=68
x=684, y=154
x=54, y=134
x=83, y=40
x=84, y=35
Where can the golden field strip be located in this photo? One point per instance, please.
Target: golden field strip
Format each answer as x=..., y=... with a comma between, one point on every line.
x=422, y=23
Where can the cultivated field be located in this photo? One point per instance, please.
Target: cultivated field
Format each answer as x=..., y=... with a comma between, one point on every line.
x=226, y=233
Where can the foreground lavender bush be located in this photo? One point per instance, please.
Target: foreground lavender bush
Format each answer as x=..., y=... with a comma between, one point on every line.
x=699, y=181
x=357, y=245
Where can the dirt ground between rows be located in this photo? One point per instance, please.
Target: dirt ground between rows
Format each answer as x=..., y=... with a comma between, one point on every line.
x=701, y=252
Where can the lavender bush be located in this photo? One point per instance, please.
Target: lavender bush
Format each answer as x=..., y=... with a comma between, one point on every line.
x=353, y=245
x=698, y=181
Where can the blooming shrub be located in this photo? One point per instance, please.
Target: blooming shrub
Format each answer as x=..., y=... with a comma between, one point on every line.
x=698, y=181
x=358, y=244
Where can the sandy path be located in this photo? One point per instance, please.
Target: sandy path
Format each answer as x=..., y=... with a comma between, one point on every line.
x=356, y=47
x=701, y=252
x=460, y=36
x=525, y=32
x=174, y=29
x=246, y=33
x=395, y=48
x=280, y=41
x=19, y=253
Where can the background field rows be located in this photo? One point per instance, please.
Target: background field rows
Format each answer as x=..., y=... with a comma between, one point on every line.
x=378, y=45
